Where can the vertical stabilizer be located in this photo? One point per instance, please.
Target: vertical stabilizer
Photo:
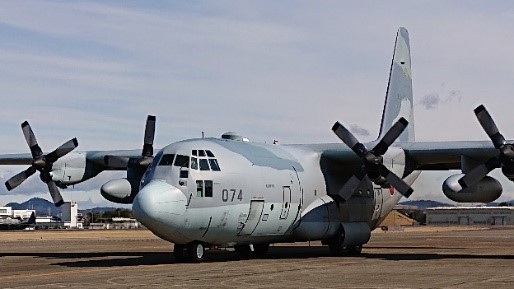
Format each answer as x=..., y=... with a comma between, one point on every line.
x=399, y=101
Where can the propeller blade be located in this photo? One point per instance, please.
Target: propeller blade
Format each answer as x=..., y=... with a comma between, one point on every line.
x=149, y=136
x=347, y=137
x=478, y=173
x=54, y=192
x=391, y=135
x=487, y=123
x=19, y=178
x=62, y=150
x=399, y=184
x=352, y=184
x=30, y=138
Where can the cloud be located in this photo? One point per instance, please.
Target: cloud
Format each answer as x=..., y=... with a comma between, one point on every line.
x=358, y=130
x=430, y=101
x=443, y=96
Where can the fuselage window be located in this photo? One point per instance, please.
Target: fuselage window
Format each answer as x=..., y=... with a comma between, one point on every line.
x=214, y=165
x=194, y=163
x=208, y=189
x=199, y=189
x=167, y=160
x=182, y=161
x=204, y=188
x=201, y=153
x=209, y=154
x=204, y=165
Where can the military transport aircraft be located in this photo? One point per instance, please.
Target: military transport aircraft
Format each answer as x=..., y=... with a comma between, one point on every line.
x=228, y=191
x=17, y=223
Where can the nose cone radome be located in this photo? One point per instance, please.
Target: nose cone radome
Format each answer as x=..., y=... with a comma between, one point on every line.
x=159, y=205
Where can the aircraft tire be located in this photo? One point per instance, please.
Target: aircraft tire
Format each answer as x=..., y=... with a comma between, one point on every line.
x=179, y=253
x=355, y=250
x=195, y=252
x=243, y=251
x=337, y=250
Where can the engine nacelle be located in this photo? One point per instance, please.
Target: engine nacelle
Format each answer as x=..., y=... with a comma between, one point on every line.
x=319, y=220
x=485, y=191
x=118, y=191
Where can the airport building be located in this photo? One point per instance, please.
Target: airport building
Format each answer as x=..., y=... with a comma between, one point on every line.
x=469, y=216
x=8, y=212
x=69, y=214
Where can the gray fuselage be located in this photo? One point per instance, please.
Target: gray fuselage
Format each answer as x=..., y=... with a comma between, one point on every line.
x=227, y=192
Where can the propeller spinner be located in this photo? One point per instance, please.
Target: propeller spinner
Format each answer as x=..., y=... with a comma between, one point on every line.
x=42, y=163
x=372, y=160
x=505, y=158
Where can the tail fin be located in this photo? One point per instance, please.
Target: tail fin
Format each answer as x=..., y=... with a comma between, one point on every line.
x=31, y=220
x=399, y=102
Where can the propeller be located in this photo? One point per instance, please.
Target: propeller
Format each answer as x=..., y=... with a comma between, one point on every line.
x=372, y=160
x=42, y=163
x=147, y=153
x=505, y=158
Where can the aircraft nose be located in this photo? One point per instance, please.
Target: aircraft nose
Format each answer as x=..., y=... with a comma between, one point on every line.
x=159, y=203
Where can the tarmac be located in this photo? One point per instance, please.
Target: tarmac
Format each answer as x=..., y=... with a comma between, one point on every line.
x=423, y=257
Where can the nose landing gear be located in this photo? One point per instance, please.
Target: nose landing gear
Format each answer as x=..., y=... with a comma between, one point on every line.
x=193, y=252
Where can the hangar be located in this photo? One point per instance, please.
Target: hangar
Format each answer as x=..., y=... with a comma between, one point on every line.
x=491, y=216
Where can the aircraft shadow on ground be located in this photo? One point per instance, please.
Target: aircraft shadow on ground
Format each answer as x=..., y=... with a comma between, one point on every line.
x=113, y=259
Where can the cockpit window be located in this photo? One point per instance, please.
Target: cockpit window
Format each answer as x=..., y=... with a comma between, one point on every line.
x=194, y=163
x=182, y=161
x=204, y=165
x=204, y=160
x=214, y=165
x=167, y=160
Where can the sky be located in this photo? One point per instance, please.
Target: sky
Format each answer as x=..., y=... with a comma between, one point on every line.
x=270, y=70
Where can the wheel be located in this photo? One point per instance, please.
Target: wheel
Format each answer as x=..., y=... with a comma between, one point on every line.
x=260, y=250
x=243, y=251
x=355, y=250
x=179, y=253
x=337, y=249
x=195, y=252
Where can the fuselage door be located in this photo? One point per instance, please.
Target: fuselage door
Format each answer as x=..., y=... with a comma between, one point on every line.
x=286, y=202
x=254, y=216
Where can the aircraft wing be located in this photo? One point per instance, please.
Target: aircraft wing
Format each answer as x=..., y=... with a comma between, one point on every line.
x=447, y=155
x=98, y=158
x=16, y=159
x=112, y=160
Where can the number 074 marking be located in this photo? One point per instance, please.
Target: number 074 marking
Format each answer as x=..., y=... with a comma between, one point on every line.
x=229, y=195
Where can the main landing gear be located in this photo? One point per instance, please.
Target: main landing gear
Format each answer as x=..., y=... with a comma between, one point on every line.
x=338, y=248
x=193, y=252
